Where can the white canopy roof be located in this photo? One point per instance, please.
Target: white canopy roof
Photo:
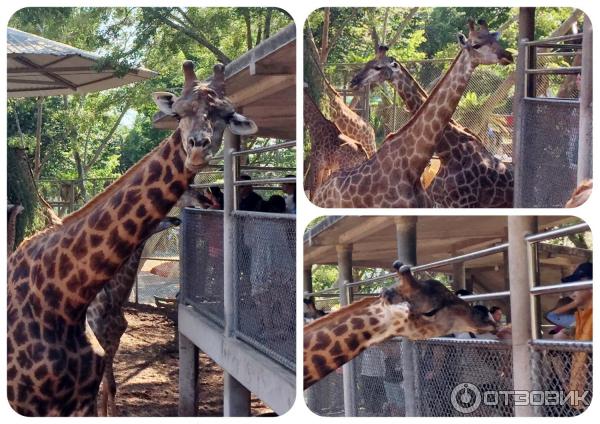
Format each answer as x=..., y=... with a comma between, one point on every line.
x=41, y=67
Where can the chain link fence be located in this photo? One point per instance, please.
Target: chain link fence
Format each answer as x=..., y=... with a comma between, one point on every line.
x=265, y=282
x=485, y=108
x=202, y=266
x=563, y=367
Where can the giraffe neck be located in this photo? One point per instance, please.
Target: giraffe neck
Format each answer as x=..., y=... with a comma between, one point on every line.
x=339, y=337
x=121, y=284
x=80, y=256
x=409, y=90
x=312, y=115
x=421, y=133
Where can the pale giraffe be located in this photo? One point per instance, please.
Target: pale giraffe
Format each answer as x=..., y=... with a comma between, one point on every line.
x=349, y=122
x=11, y=228
x=391, y=178
x=581, y=194
x=411, y=308
x=54, y=365
x=106, y=317
x=330, y=150
x=469, y=176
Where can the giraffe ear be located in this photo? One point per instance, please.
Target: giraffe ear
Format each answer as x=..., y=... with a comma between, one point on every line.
x=462, y=40
x=240, y=125
x=495, y=35
x=164, y=100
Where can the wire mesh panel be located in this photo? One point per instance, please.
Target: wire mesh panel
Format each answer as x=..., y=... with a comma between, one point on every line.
x=158, y=273
x=202, y=262
x=563, y=371
x=550, y=143
x=379, y=381
x=452, y=373
x=264, y=262
x=326, y=398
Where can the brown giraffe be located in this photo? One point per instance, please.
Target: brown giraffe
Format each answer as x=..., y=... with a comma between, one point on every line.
x=54, y=365
x=11, y=228
x=411, y=308
x=330, y=149
x=391, y=178
x=349, y=122
x=106, y=318
x=469, y=176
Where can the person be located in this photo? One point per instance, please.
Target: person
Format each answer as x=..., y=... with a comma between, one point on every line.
x=582, y=303
x=215, y=196
x=496, y=312
x=275, y=204
x=249, y=200
x=290, y=195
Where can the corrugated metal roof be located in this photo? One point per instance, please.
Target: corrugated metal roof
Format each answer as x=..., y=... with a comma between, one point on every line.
x=41, y=67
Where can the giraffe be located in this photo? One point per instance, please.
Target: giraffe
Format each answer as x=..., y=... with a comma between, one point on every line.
x=469, y=175
x=54, y=364
x=581, y=194
x=11, y=229
x=106, y=318
x=411, y=308
x=391, y=178
x=349, y=122
x=330, y=149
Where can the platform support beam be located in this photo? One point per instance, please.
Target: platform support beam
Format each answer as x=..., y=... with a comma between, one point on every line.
x=188, y=377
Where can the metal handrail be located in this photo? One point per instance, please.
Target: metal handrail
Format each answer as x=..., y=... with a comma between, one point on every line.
x=578, y=36
x=265, y=181
x=559, y=232
x=561, y=288
x=284, y=145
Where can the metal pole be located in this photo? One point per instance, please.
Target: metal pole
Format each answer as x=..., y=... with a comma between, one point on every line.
x=406, y=242
x=307, y=279
x=520, y=305
x=344, y=256
x=236, y=398
x=526, y=33
x=584, y=155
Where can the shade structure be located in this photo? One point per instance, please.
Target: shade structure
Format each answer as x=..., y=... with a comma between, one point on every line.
x=41, y=67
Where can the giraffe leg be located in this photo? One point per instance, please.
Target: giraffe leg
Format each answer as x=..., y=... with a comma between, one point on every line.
x=110, y=390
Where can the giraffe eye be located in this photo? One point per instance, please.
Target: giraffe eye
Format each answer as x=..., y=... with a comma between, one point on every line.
x=395, y=65
x=476, y=46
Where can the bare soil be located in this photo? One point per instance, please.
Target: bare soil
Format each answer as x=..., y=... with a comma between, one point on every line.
x=147, y=370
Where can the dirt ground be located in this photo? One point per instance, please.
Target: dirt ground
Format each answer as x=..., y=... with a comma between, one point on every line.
x=147, y=369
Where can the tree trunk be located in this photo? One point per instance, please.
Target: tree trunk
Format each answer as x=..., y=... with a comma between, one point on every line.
x=325, y=36
x=80, y=177
x=268, y=17
x=246, y=14
x=37, y=168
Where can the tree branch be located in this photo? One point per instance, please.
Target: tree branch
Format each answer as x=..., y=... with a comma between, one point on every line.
x=106, y=141
x=411, y=13
x=325, y=36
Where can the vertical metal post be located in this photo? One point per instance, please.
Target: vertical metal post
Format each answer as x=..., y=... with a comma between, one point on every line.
x=584, y=154
x=459, y=276
x=520, y=272
x=307, y=285
x=228, y=236
x=526, y=33
x=406, y=244
x=344, y=257
x=236, y=398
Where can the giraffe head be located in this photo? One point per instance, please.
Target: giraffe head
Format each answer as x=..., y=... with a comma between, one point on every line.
x=434, y=310
x=377, y=71
x=483, y=46
x=203, y=112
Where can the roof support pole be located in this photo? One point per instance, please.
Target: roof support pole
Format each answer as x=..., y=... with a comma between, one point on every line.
x=406, y=242
x=344, y=257
x=520, y=272
x=584, y=155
